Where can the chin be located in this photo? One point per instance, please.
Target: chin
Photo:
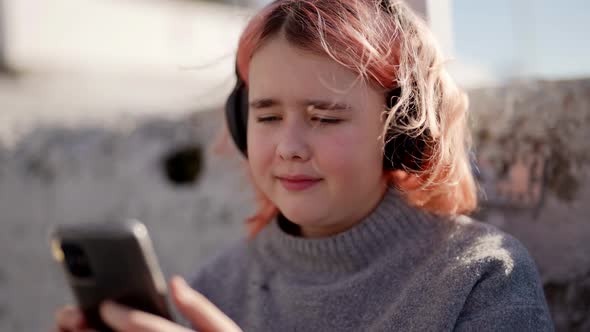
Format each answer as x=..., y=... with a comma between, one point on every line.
x=302, y=208
x=302, y=216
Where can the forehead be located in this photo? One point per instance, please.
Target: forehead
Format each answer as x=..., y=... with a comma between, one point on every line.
x=282, y=70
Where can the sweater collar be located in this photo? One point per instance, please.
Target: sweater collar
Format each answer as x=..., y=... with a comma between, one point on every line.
x=392, y=224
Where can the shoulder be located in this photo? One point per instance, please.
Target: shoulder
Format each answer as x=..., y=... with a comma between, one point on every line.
x=478, y=243
x=467, y=251
x=505, y=282
x=488, y=253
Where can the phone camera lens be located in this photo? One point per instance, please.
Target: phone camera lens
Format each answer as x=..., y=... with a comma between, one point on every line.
x=76, y=260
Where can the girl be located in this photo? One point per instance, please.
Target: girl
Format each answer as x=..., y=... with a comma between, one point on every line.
x=356, y=141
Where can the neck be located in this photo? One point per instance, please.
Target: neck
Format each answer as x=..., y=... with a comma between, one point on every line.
x=320, y=230
x=392, y=225
x=328, y=228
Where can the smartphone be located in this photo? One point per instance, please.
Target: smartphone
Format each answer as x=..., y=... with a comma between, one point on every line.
x=110, y=260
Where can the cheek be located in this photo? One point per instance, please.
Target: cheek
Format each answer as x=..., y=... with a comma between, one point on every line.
x=260, y=152
x=349, y=153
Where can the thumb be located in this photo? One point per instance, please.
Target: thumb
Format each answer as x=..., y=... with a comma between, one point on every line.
x=203, y=314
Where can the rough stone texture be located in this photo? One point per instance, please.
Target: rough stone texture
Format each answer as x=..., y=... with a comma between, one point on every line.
x=532, y=146
x=533, y=149
x=60, y=175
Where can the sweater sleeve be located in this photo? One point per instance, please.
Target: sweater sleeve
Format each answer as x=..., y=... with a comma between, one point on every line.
x=508, y=296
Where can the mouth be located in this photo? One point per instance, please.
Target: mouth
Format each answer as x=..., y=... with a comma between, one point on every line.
x=298, y=182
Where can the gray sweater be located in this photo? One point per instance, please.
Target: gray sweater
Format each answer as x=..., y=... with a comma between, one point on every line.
x=400, y=269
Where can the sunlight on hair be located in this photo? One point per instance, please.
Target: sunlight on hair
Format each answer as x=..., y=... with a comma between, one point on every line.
x=390, y=47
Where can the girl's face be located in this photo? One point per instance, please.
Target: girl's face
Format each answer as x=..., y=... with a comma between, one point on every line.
x=313, y=138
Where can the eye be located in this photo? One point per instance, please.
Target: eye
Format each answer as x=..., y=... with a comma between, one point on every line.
x=267, y=118
x=326, y=120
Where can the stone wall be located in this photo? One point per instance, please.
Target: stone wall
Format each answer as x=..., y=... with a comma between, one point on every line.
x=160, y=171
x=532, y=146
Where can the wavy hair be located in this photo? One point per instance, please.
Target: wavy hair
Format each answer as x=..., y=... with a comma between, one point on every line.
x=391, y=47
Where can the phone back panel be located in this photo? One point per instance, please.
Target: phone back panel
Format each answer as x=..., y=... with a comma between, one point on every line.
x=122, y=266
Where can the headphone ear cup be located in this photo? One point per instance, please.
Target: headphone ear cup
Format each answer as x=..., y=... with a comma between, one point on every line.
x=391, y=153
x=236, y=115
x=390, y=156
x=403, y=151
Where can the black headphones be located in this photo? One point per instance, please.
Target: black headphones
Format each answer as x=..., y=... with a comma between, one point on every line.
x=401, y=151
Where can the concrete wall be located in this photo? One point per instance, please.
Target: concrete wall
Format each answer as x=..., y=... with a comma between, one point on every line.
x=532, y=144
x=60, y=175
x=533, y=147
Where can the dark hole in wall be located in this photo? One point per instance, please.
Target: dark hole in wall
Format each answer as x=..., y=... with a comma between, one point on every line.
x=183, y=166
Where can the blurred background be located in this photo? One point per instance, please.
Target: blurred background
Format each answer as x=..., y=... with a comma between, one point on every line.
x=110, y=108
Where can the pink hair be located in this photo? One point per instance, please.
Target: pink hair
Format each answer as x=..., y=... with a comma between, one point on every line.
x=389, y=46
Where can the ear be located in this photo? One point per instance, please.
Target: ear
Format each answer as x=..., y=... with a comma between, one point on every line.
x=409, y=185
x=405, y=181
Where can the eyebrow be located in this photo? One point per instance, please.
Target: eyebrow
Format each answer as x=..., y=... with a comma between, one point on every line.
x=316, y=103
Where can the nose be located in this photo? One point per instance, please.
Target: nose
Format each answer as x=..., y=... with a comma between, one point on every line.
x=293, y=142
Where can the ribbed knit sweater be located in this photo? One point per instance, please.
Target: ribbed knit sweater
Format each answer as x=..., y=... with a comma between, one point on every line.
x=399, y=269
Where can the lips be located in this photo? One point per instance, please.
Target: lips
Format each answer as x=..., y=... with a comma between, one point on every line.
x=298, y=182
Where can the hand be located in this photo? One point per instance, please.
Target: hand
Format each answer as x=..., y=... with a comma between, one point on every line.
x=203, y=315
x=70, y=319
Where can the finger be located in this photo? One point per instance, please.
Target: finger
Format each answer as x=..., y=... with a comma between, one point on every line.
x=70, y=318
x=122, y=318
x=203, y=314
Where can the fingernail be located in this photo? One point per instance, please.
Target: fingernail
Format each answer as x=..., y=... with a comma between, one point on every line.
x=112, y=312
